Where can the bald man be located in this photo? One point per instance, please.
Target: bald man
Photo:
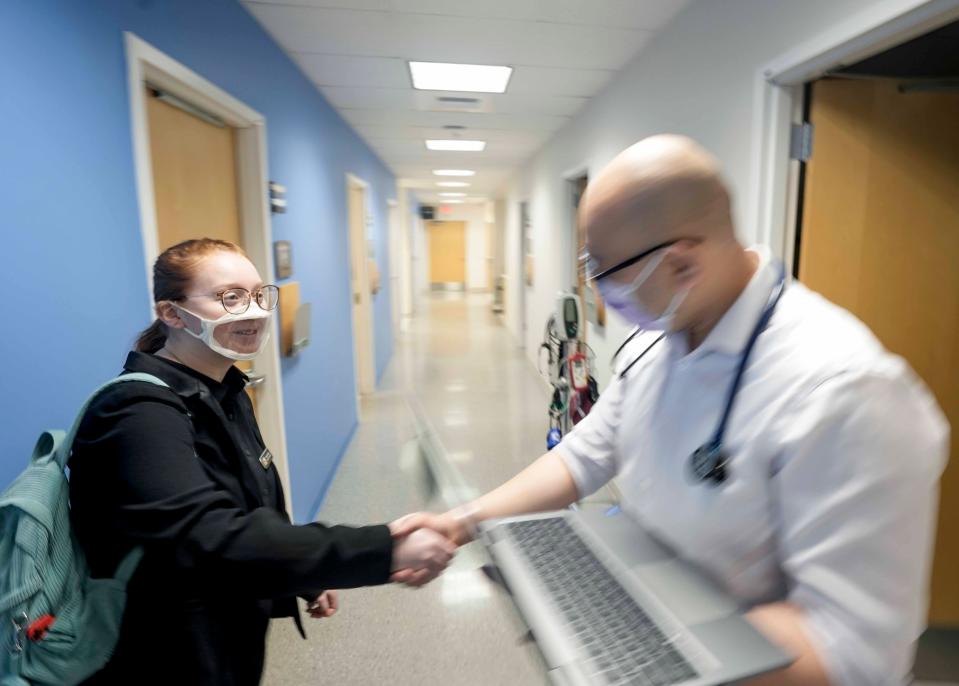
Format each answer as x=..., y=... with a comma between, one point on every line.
x=818, y=513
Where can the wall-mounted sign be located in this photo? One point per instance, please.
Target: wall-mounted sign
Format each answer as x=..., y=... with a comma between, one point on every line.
x=277, y=198
x=283, y=259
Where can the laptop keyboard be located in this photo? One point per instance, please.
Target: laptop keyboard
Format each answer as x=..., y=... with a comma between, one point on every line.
x=623, y=644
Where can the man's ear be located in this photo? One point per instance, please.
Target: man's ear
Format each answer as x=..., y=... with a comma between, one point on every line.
x=169, y=315
x=682, y=265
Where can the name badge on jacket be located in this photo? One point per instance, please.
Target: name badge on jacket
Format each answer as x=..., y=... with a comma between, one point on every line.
x=266, y=458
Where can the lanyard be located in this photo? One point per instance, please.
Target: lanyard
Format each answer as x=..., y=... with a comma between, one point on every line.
x=709, y=462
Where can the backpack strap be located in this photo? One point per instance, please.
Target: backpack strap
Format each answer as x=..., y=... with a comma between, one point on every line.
x=128, y=565
x=48, y=445
x=65, y=447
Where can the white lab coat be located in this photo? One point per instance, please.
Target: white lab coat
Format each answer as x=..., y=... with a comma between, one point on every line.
x=836, y=447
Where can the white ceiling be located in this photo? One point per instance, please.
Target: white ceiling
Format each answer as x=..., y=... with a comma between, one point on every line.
x=563, y=52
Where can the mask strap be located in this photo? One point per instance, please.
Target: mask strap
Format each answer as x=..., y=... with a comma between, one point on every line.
x=675, y=303
x=646, y=272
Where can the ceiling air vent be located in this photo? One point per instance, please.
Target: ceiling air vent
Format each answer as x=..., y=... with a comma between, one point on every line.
x=458, y=103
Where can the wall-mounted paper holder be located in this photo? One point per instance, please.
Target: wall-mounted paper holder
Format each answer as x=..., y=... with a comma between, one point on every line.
x=301, y=328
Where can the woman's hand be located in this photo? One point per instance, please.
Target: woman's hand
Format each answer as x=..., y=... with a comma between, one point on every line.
x=325, y=605
x=419, y=557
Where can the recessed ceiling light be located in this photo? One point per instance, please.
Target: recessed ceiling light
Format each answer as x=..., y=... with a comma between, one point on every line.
x=454, y=172
x=452, y=202
x=456, y=145
x=453, y=195
x=452, y=184
x=474, y=78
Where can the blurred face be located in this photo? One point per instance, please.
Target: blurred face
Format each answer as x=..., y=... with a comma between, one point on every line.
x=217, y=292
x=668, y=263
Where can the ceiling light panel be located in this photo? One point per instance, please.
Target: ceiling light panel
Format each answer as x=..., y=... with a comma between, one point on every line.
x=469, y=78
x=456, y=145
x=454, y=172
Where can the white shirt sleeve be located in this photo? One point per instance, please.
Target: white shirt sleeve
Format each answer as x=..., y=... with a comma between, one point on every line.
x=858, y=493
x=589, y=450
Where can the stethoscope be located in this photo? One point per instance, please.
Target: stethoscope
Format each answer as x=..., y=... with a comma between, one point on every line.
x=709, y=463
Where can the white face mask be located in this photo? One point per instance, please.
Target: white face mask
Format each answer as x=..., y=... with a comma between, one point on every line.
x=622, y=298
x=223, y=337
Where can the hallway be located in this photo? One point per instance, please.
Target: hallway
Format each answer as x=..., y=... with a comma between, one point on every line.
x=458, y=361
x=489, y=409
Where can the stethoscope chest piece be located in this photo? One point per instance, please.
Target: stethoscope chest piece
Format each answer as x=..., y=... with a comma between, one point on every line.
x=708, y=464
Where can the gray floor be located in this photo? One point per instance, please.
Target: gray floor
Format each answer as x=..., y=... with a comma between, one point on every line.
x=489, y=407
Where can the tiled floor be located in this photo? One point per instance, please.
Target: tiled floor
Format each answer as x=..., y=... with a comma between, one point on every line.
x=489, y=407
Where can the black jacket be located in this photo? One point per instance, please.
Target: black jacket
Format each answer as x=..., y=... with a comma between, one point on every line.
x=184, y=473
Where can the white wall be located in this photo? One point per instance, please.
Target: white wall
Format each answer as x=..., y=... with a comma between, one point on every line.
x=499, y=242
x=698, y=77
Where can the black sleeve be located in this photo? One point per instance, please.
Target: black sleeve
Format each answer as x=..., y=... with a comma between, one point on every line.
x=142, y=463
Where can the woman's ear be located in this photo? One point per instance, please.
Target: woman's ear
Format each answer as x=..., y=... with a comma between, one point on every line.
x=169, y=315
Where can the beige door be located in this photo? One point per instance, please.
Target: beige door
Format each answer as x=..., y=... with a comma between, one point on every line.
x=880, y=237
x=194, y=180
x=361, y=290
x=447, y=252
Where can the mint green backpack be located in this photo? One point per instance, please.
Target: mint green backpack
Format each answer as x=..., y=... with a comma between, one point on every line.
x=57, y=625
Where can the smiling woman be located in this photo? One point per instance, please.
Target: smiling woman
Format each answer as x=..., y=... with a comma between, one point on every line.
x=183, y=472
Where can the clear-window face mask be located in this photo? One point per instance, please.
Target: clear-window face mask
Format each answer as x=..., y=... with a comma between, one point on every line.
x=234, y=336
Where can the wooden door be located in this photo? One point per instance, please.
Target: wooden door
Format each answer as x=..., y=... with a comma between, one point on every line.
x=194, y=180
x=447, y=252
x=880, y=237
x=361, y=290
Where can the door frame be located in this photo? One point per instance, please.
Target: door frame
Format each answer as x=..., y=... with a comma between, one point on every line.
x=363, y=332
x=145, y=63
x=522, y=286
x=395, y=241
x=570, y=177
x=778, y=102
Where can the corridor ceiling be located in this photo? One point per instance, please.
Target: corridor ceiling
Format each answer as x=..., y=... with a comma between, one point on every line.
x=562, y=52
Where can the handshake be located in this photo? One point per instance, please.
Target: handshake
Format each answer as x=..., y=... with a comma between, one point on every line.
x=424, y=544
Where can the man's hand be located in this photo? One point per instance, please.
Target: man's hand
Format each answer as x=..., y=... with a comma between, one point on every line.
x=451, y=525
x=783, y=624
x=324, y=605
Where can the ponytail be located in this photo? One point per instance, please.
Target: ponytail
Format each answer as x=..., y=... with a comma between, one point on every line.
x=152, y=338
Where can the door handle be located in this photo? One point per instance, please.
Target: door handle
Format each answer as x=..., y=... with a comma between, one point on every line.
x=254, y=380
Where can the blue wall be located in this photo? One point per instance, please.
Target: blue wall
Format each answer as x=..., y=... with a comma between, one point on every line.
x=73, y=266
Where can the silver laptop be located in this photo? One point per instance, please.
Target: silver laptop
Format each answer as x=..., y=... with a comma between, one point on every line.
x=608, y=604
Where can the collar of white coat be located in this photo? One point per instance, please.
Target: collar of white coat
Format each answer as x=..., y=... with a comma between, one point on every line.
x=732, y=332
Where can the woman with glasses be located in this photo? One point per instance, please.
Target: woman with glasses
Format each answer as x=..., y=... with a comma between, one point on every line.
x=183, y=472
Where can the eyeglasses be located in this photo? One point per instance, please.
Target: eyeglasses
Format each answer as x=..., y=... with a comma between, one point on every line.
x=591, y=266
x=237, y=300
